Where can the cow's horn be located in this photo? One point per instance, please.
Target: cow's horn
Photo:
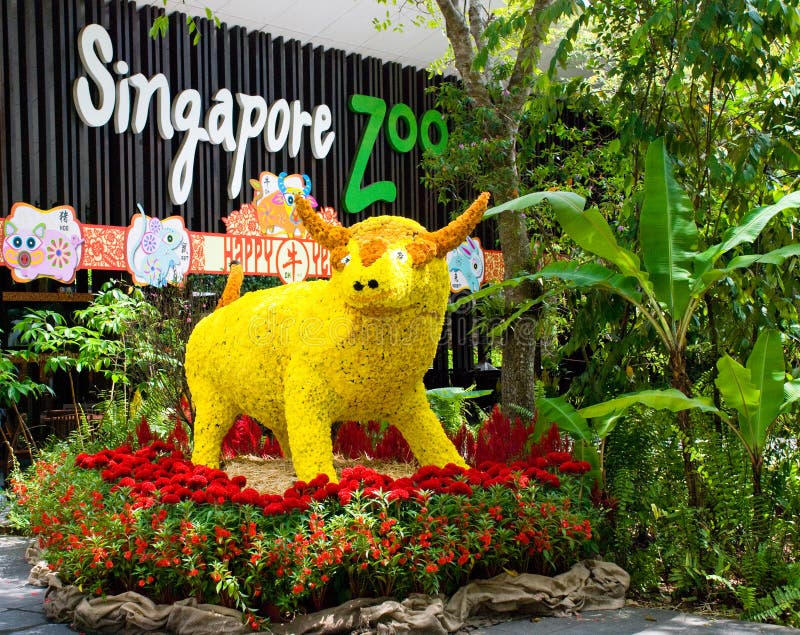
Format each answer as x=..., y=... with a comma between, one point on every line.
x=456, y=232
x=329, y=236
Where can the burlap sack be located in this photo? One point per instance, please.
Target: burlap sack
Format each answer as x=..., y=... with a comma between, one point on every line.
x=589, y=585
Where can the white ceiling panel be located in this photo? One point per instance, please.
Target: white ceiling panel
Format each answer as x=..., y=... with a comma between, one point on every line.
x=343, y=24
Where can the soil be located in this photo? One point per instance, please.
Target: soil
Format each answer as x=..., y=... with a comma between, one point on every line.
x=269, y=475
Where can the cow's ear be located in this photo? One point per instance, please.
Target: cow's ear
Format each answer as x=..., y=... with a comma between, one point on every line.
x=329, y=236
x=457, y=231
x=422, y=250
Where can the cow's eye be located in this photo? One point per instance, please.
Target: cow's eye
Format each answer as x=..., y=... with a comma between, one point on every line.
x=345, y=260
x=400, y=255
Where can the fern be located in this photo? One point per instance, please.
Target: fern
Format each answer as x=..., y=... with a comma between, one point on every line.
x=521, y=412
x=779, y=606
x=747, y=596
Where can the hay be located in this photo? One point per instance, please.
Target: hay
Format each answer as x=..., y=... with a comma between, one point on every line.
x=274, y=476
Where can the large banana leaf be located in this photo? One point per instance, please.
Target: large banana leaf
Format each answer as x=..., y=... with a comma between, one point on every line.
x=737, y=389
x=557, y=410
x=591, y=231
x=775, y=257
x=767, y=373
x=590, y=275
x=575, y=275
x=667, y=232
x=747, y=231
x=670, y=399
x=559, y=200
x=587, y=228
x=573, y=422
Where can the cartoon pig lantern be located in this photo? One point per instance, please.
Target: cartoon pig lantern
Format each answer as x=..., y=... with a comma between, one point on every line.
x=42, y=243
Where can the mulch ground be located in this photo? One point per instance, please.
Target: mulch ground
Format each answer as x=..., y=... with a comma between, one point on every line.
x=274, y=476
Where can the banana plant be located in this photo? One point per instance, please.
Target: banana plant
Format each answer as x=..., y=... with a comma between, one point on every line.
x=589, y=439
x=669, y=281
x=759, y=394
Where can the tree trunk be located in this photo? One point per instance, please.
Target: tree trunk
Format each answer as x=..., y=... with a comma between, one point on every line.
x=763, y=511
x=519, y=341
x=465, y=24
x=757, y=467
x=680, y=380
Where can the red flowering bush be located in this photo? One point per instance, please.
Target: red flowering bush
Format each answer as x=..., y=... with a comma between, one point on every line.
x=247, y=437
x=498, y=439
x=148, y=519
x=354, y=441
x=503, y=440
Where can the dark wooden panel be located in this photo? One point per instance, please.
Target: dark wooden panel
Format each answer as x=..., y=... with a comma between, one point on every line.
x=48, y=156
x=5, y=112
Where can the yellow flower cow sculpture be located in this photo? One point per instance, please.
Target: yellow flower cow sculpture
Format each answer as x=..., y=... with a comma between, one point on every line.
x=303, y=356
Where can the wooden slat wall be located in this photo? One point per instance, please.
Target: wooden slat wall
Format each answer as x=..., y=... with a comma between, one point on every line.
x=49, y=157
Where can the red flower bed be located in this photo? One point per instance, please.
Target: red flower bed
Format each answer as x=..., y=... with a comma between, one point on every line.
x=150, y=520
x=160, y=473
x=499, y=439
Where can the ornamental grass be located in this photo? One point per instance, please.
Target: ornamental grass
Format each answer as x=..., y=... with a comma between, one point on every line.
x=143, y=517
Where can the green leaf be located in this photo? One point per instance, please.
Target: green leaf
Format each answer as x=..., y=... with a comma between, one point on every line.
x=606, y=424
x=591, y=231
x=669, y=399
x=558, y=411
x=747, y=231
x=160, y=26
x=559, y=200
x=574, y=274
x=667, y=232
x=457, y=393
x=591, y=275
x=675, y=81
x=774, y=257
x=737, y=389
x=777, y=256
x=767, y=372
x=519, y=310
x=791, y=394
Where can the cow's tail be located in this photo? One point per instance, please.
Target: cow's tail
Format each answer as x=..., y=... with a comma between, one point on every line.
x=233, y=287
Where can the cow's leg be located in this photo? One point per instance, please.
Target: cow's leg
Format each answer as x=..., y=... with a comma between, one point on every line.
x=310, y=445
x=308, y=426
x=213, y=419
x=423, y=431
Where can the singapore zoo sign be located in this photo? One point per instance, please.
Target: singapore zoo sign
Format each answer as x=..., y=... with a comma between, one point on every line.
x=105, y=93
